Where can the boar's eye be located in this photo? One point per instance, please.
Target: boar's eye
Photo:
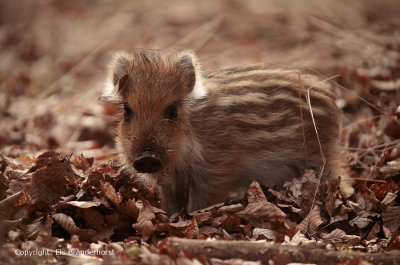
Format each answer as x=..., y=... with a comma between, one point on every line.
x=127, y=112
x=171, y=112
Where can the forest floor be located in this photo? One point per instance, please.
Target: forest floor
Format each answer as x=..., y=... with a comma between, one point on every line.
x=64, y=197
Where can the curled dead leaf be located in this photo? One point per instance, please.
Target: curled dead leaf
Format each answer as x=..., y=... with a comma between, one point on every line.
x=110, y=193
x=66, y=222
x=260, y=233
x=334, y=236
x=84, y=204
x=186, y=228
x=82, y=162
x=311, y=222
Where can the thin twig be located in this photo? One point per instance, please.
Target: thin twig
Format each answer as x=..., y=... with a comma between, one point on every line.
x=365, y=119
x=319, y=142
x=350, y=91
x=369, y=180
x=384, y=145
x=302, y=120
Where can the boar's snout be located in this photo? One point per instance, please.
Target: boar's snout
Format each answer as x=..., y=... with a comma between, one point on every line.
x=147, y=162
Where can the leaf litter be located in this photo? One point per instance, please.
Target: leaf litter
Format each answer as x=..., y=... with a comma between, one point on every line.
x=105, y=213
x=78, y=198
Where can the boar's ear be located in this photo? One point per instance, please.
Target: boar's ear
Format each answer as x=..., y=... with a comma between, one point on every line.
x=121, y=66
x=187, y=64
x=190, y=69
x=118, y=75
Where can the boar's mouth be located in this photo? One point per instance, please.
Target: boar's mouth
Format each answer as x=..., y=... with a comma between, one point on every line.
x=147, y=162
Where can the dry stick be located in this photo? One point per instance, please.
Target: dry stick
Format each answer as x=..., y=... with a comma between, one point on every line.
x=278, y=254
x=319, y=142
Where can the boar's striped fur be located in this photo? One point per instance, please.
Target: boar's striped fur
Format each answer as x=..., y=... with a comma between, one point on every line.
x=206, y=136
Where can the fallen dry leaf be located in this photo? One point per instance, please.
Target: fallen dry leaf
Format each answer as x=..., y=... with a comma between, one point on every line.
x=110, y=193
x=259, y=211
x=313, y=220
x=144, y=225
x=84, y=204
x=66, y=222
x=50, y=182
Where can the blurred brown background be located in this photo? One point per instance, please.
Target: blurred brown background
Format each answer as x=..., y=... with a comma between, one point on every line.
x=54, y=55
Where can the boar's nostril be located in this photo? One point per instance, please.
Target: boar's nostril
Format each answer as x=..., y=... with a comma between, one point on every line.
x=147, y=163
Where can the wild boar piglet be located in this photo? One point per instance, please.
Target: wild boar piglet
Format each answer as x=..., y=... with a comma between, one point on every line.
x=205, y=136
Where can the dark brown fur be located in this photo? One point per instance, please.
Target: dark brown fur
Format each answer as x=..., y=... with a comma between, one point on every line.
x=233, y=126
